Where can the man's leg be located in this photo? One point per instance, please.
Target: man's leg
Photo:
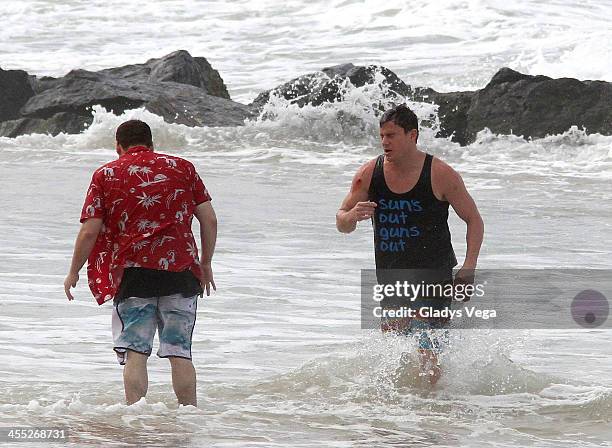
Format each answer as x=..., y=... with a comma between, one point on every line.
x=430, y=339
x=134, y=325
x=177, y=316
x=429, y=366
x=135, y=377
x=184, y=380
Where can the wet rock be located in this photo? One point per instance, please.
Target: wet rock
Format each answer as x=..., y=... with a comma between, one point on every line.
x=54, y=125
x=330, y=84
x=179, y=67
x=536, y=106
x=178, y=87
x=512, y=102
x=187, y=90
x=15, y=91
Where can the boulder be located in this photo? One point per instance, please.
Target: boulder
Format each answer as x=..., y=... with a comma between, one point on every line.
x=536, y=106
x=79, y=90
x=55, y=124
x=452, y=112
x=328, y=85
x=180, y=88
x=15, y=91
x=179, y=67
x=512, y=102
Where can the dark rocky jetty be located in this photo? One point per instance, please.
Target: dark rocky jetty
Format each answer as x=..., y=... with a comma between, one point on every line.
x=188, y=90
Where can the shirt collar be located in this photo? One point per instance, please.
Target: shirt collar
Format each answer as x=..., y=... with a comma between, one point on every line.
x=138, y=149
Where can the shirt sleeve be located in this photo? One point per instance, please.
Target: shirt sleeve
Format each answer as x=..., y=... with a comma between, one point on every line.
x=200, y=193
x=94, y=200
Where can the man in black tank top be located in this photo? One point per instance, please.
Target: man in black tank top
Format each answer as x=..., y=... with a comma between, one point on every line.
x=406, y=193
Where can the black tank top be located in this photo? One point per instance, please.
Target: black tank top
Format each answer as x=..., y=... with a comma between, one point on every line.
x=410, y=229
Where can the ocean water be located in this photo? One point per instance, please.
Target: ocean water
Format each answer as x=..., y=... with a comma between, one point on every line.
x=280, y=355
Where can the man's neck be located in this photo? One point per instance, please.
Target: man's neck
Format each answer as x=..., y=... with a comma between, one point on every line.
x=411, y=160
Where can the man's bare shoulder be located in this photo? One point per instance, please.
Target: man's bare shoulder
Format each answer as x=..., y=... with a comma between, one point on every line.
x=443, y=170
x=368, y=167
x=363, y=177
x=444, y=178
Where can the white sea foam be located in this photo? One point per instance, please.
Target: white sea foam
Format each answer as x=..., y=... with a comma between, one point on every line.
x=447, y=44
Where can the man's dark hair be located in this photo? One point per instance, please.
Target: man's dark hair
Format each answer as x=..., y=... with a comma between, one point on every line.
x=134, y=133
x=403, y=117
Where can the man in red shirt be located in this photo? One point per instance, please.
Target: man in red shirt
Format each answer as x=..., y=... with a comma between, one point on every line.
x=136, y=236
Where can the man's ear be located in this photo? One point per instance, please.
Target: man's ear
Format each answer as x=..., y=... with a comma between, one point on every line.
x=119, y=149
x=414, y=135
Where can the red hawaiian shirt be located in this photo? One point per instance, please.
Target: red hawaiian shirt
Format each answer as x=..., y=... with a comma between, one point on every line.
x=146, y=200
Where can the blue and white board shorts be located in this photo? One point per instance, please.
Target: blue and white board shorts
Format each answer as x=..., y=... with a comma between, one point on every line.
x=430, y=334
x=135, y=320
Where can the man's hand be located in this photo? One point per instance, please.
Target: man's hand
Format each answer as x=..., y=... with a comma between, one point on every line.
x=70, y=281
x=363, y=210
x=207, y=278
x=465, y=276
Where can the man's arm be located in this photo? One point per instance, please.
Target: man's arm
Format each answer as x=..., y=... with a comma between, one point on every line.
x=454, y=191
x=82, y=248
x=205, y=214
x=356, y=206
